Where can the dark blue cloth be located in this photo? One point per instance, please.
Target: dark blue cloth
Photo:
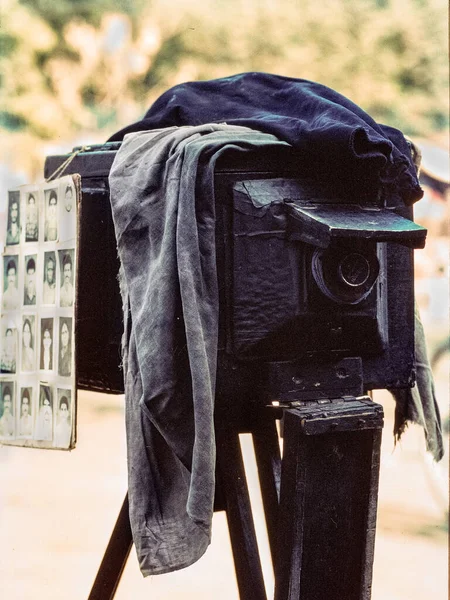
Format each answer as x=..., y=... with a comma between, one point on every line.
x=338, y=137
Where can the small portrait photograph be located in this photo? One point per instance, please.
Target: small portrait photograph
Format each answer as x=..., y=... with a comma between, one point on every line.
x=46, y=355
x=31, y=216
x=25, y=425
x=7, y=428
x=51, y=215
x=28, y=343
x=29, y=292
x=11, y=299
x=67, y=211
x=49, y=287
x=13, y=221
x=44, y=417
x=63, y=429
x=66, y=292
x=65, y=347
x=8, y=352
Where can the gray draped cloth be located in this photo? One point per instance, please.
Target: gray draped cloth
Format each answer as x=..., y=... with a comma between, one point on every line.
x=418, y=404
x=166, y=242
x=162, y=196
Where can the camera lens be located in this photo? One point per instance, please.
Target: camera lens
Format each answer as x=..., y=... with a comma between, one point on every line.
x=343, y=275
x=354, y=269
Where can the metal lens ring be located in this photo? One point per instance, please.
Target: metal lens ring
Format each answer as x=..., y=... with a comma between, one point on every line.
x=354, y=269
x=344, y=275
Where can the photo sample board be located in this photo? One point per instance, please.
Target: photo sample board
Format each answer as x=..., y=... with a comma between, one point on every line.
x=37, y=315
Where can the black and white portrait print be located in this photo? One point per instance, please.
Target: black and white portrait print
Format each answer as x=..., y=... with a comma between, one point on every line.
x=13, y=221
x=11, y=299
x=51, y=215
x=66, y=292
x=29, y=292
x=67, y=212
x=26, y=412
x=8, y=353
x=65, y=347
x=49, y=278
x=44, y=418
x=46, y=354
x=7, y=421
x=63, y=429
x=28, y=343
x=32, y=216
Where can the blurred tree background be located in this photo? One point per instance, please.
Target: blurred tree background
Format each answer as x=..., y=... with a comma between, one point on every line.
x=75, y=71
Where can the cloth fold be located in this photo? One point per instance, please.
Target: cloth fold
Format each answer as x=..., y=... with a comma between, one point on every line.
x=164, y=216
x=338, y=136
x=418, y=404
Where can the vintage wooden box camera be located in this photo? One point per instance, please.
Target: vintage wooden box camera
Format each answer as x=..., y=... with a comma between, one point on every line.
x=309, y=274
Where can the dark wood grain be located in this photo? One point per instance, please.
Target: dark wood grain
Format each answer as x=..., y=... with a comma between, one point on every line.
x=234, y=488
x=327, y=509
x=114, y=559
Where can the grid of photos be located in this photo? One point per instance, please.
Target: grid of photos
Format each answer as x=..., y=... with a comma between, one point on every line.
x=37, y=316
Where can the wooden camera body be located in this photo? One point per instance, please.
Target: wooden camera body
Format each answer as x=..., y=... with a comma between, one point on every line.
x=309, y=275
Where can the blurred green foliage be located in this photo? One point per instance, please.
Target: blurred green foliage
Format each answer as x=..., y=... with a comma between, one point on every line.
x=76, y=66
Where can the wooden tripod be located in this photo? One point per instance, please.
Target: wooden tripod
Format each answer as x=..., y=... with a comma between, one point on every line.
x=319, y=501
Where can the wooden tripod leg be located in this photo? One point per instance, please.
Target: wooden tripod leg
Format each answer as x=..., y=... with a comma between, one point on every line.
x=268, y=461
x=328, y=502
x=239, y=515
x=115, y=558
